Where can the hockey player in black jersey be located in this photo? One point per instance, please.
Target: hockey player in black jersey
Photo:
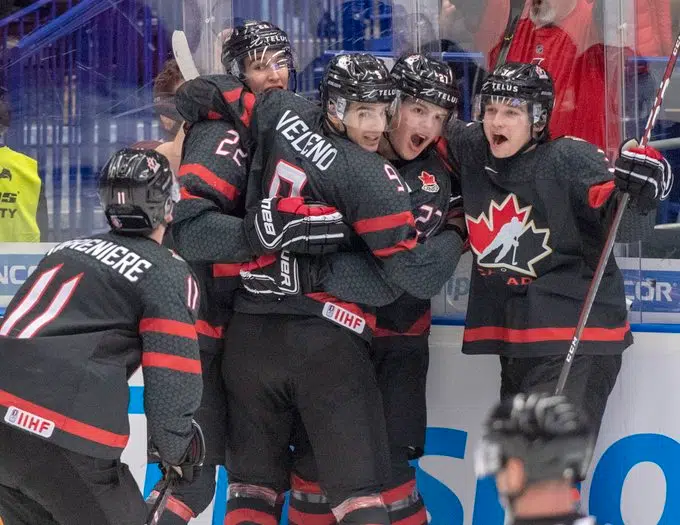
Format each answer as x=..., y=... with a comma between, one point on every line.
x=428, y=98
x=93, y=311
x=207, y=232
x=307, y=153
x=537, y=213
x=537, y=446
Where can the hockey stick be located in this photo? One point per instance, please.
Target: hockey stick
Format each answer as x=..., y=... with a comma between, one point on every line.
x=182, y=53
x=162, y=499
x=611, y=236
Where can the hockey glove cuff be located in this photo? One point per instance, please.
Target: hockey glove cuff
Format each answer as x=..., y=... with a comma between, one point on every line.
x=644, y=174
x=291, y=223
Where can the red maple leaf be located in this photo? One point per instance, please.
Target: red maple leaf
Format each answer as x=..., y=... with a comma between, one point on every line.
x=483, y=230
x=428, y=179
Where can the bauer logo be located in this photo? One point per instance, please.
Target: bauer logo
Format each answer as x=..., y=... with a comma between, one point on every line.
x=29, y=422
x=344, y=317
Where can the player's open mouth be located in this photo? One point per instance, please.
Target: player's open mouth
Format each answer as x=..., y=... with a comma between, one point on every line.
x=417, y=140
x=372, y=140
x=498, y=139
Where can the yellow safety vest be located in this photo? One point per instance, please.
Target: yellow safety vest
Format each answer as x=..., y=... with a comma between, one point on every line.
x=19, y=196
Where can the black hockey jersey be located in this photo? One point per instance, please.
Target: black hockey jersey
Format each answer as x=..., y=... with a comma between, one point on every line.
x=291, y=155
x=432, y=191
x=207, y=229
x=90, y=314
x=537, y=223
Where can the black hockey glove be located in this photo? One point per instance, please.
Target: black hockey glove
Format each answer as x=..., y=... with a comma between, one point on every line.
x=273, y=275
x=193, y=457
x=644, y=174
x=291, y=223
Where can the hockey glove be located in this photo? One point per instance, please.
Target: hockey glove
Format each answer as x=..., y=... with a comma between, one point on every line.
x=644, y=174
x=273, y=275
x=193, y=457
x=291, y=223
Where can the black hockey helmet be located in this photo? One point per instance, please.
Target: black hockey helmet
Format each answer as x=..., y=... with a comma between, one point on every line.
x=550, y=435
x=252, y=40
x=356, y=77
x=137, y=189
x=424, y=78
x=517, y=84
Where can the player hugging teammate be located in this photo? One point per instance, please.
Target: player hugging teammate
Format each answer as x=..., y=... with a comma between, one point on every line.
x=318, y=236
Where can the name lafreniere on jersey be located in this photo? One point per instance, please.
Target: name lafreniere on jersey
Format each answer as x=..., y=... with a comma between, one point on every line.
x=119, y=258
x=310, y=144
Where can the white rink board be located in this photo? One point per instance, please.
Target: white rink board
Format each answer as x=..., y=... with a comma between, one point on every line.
x=637, y=454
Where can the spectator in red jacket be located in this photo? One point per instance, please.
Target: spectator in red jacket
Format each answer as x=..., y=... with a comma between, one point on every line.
x=563, y=37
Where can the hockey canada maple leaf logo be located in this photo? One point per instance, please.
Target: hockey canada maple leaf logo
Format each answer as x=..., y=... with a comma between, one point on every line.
x=506, y=238
x=429, y=182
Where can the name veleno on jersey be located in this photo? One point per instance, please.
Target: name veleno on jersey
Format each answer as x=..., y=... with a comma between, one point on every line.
x=311, y=145
x=119, y=258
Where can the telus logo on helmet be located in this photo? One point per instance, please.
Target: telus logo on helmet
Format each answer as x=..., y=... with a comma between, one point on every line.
x=432, y=92
x=498, y=86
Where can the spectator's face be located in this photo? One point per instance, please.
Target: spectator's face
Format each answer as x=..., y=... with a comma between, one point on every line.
x=266, y=71
x=365, y=124
x=506, y=128
x=545, y=12
x=419, y=123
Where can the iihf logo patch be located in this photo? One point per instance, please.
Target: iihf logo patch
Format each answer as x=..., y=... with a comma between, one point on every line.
x=508, y=238
x=12, y=415
x=429, y=182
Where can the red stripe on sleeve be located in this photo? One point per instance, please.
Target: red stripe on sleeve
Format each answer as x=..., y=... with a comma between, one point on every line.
x=297, y=206
x=261, y=262
x=169, y=327
x=386, y=222
x=184, y=194
x=232, y=95
x=226, y=269
x=66, y=424
x=600, y=193
x=171, y=362
x=402, y=246
x=248, y=102
x=212, y=180
x=208, y=330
